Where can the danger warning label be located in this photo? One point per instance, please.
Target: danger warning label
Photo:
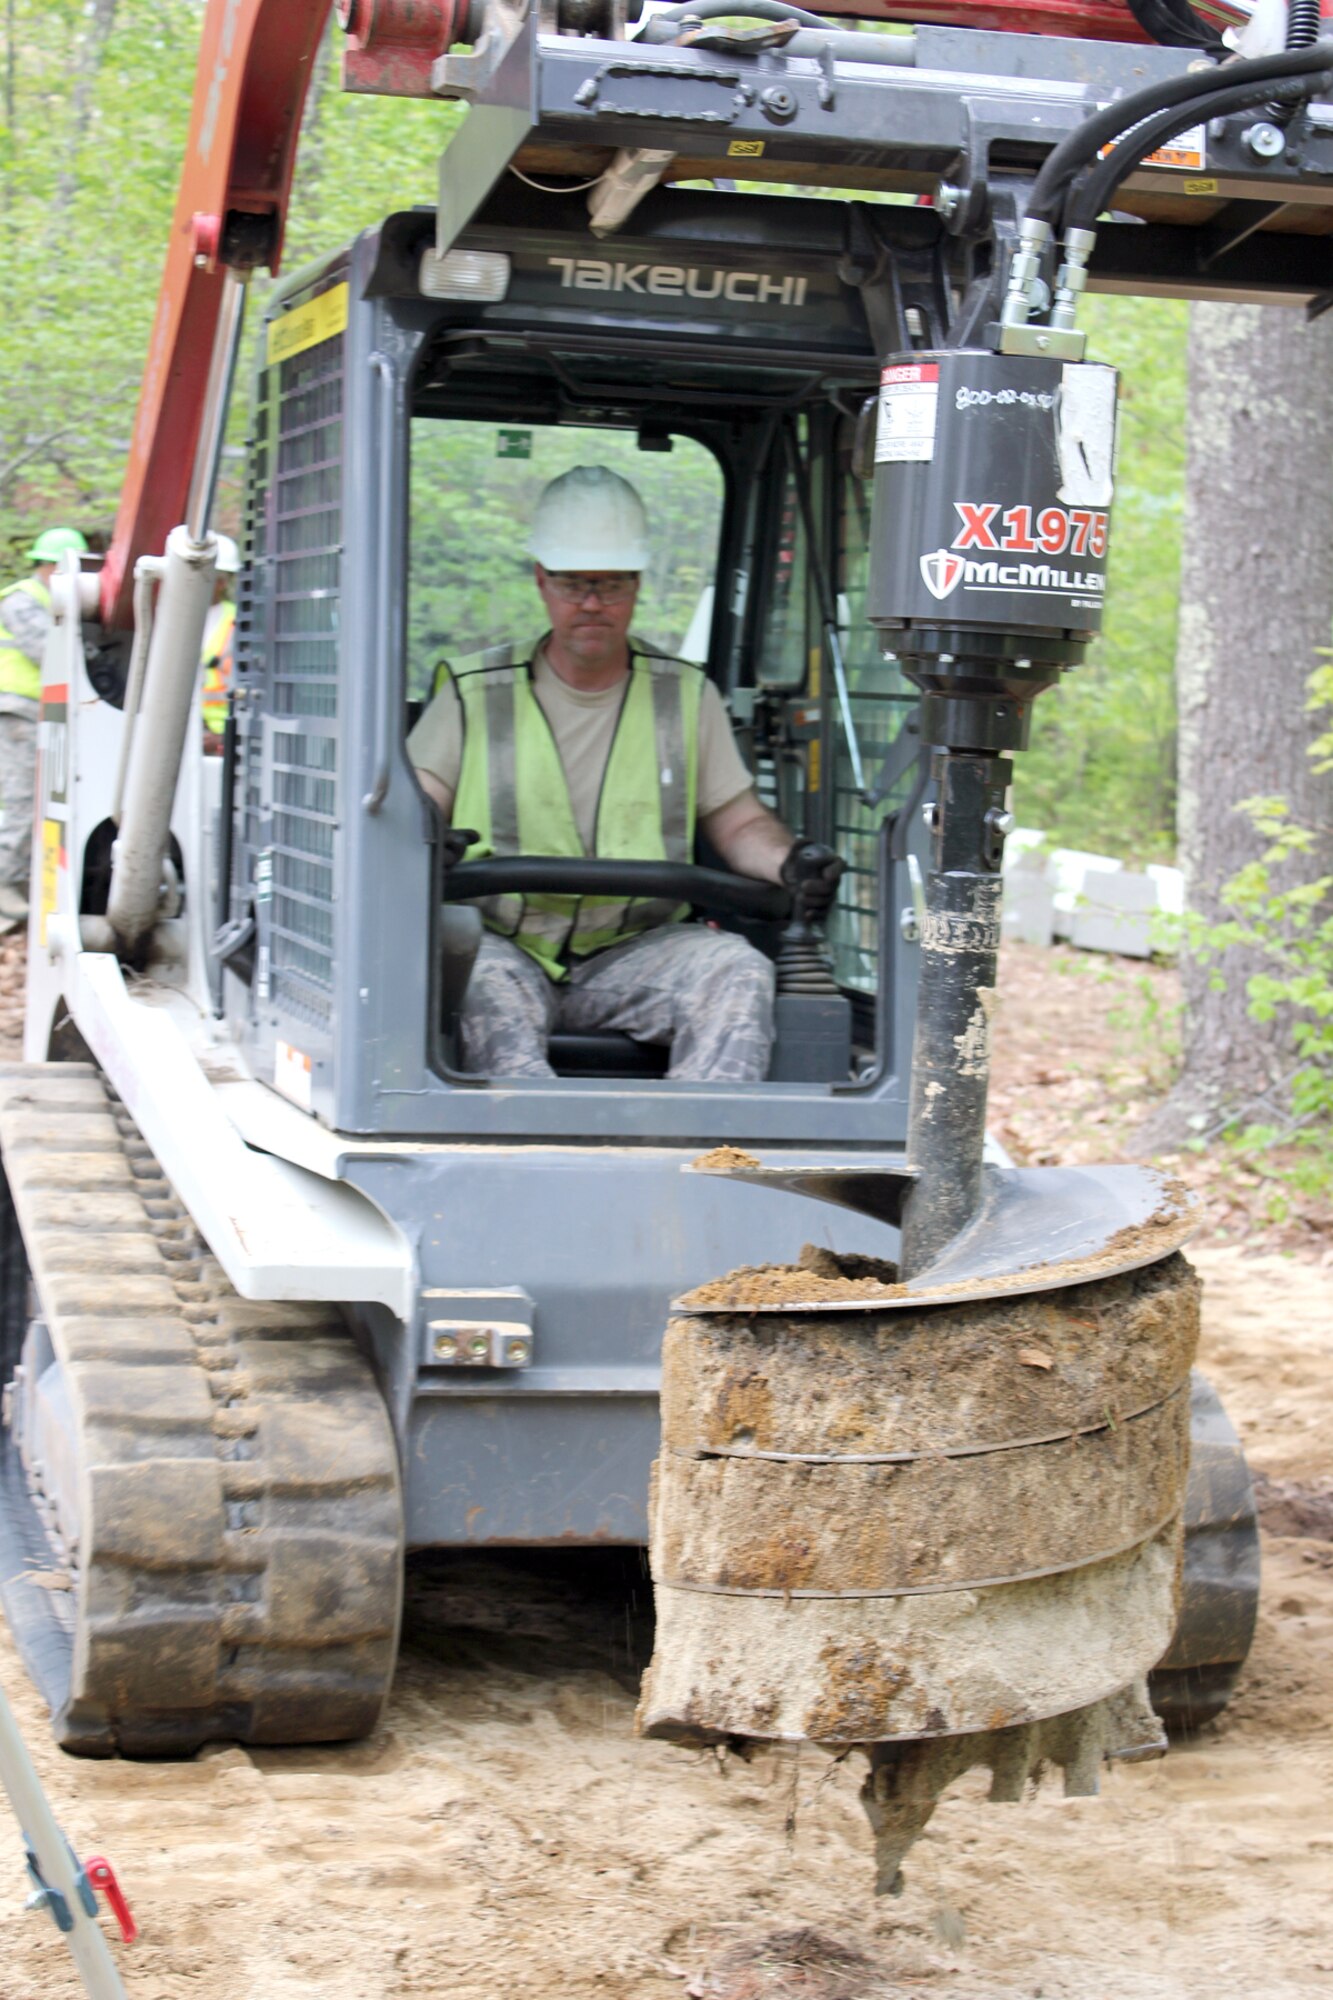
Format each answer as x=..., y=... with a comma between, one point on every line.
x=909, y=394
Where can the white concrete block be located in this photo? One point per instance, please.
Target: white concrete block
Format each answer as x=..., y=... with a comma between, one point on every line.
x=1115, y=913
x=1069, y=867
x=1029, y=907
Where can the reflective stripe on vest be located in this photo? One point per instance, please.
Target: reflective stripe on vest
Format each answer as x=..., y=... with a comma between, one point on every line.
x=18, y=675
x=512, y=788
x=217, y=668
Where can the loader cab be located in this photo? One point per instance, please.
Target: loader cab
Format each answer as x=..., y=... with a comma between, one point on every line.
x=408, y=412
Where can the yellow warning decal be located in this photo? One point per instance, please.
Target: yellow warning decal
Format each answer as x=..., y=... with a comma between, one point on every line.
x=318, y=319
x=1199, y=187
x=53, y=840
x=746, y=149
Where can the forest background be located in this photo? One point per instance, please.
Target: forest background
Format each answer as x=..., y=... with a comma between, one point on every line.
x=96, y=98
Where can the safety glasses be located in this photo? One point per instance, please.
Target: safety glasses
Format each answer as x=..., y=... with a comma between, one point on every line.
x=574, y=589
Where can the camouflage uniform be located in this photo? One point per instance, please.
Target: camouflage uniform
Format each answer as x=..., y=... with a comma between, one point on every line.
x=23, y=624
x=706, y=993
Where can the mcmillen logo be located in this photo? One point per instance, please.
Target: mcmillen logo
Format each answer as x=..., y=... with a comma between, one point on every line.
x=679, y=281
x=1082, y=531
x=944, y=571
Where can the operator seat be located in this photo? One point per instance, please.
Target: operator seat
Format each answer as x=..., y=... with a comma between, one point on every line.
x=609, y=1053
x=606, y=1054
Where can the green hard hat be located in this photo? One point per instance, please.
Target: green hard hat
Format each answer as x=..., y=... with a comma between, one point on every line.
x=53, y=544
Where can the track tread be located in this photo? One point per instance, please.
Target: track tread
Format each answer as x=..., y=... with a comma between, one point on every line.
x=237, y=1570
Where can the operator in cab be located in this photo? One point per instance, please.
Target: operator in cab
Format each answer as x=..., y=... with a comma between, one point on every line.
x=591, y=742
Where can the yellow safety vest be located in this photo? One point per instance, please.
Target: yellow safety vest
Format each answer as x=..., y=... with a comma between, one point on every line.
x=18, y=675
x=512, y=789
x=217, y=669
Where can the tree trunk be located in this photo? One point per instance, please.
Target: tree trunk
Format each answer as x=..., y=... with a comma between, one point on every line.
x=1256, y=604
x=85, y=64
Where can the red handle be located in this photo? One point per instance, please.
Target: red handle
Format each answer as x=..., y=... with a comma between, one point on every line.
x=102, y=1876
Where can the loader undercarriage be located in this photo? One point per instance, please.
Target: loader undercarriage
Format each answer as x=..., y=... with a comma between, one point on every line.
x=201, y=1492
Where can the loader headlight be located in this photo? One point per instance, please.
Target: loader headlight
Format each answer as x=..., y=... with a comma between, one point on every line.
x=481, y=275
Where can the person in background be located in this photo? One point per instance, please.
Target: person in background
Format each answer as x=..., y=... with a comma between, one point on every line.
x=25, y=620
x=219, y=639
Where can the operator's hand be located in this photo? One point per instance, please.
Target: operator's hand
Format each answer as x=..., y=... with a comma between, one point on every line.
x=455, y=842
x=811, y=871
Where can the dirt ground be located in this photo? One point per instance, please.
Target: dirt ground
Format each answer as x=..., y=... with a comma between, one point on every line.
x=504, y=1833
x=1084, y=1048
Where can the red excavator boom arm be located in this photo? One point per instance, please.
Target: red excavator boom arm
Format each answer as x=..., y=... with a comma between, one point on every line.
x=1083, y=20
x=255, y=61
x=1089, y=20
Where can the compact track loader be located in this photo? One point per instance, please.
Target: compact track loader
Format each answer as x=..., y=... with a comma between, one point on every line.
x=286, y=1290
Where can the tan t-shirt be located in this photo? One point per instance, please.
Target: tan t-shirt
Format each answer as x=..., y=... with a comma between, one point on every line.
x=583, y=726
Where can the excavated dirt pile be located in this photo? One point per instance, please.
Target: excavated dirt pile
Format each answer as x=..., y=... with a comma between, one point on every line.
x=816, y=1274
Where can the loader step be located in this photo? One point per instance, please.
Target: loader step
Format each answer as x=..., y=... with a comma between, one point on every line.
x=200, y=1511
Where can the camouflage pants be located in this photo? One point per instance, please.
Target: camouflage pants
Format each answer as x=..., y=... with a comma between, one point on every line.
x=18, y=770
x=707, y=993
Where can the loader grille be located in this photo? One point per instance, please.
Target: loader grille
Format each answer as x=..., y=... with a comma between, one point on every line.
x=880, y=699
x=853, y=929
x=289, y=625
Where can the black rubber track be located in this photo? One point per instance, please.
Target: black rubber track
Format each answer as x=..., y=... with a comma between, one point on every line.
x=1197, y=1675
x=230, y=1550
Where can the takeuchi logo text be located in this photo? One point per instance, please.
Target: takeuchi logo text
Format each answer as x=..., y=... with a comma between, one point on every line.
x=679, y=281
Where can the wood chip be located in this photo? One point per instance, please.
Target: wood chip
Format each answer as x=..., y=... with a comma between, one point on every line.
x=1035, y=1357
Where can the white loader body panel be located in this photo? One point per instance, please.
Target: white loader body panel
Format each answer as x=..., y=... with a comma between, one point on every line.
x=279, y=1230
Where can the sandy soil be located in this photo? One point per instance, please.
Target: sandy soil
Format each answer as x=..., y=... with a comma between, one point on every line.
x=504, y=1833
x=13, y=967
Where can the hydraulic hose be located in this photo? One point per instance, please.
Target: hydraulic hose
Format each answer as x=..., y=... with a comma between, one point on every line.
x=1080, y=147
x=1094, y=192
x=1302, y=23
x=1302, y=30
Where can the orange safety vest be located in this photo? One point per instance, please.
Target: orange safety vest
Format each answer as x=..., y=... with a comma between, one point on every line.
x=217, y=668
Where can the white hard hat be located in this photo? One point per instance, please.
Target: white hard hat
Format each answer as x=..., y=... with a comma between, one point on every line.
x=590, y=518
x=229, y=556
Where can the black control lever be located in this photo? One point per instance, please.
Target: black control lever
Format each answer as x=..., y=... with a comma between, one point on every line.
x=811, y=871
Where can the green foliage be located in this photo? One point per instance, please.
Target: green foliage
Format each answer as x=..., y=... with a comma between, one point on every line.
x=1141, y=1012
x=1101, y=770
x=1147, y=1027
x=89, y=158
x=1290, y=923
x=94, y=111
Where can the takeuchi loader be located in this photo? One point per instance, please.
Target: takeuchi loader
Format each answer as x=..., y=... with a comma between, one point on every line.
x=287, y=1291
